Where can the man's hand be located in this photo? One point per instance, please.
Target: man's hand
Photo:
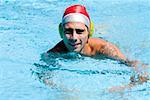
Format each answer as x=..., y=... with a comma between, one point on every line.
x=141, y=76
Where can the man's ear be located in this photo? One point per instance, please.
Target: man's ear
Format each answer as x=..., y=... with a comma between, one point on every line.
x=60, y=28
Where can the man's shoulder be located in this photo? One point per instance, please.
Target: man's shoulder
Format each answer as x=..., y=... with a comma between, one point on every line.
x=101, y=43
x=59, y=47
x=97, y=41
x=96, y=44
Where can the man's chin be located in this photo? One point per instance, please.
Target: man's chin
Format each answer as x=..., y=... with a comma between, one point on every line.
x=76, y=50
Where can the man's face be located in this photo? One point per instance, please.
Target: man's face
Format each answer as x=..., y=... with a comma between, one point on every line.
x=75, y=36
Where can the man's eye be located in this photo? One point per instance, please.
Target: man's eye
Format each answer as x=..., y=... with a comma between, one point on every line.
x=67, y=32
x=79, y=31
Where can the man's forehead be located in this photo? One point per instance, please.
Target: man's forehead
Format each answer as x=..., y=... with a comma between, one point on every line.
x=74, y=25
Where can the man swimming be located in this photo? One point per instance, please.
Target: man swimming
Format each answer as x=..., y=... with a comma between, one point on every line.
x=76, y=30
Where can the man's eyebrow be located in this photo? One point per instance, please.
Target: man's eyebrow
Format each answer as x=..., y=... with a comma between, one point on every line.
x=68, y=28
x=73, y=29
x=80, y=30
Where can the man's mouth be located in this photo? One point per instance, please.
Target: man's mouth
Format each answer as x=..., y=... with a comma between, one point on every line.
x=74, y=44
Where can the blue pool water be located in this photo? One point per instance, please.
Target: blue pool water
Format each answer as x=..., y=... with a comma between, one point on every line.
x=28, y=28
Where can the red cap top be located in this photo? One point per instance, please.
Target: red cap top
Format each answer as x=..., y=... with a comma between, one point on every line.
x=76, y=13
x=76, y=9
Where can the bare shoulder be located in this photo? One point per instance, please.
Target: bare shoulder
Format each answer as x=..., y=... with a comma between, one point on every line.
x=59, y=47
x=97, y=41
x=106, y=48
x=96, y=45
x=101, y=42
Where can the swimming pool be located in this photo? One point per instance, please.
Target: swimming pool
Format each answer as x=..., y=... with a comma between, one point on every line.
x=28, y=28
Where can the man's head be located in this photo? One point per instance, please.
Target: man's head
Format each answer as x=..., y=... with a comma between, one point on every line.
x=75, y=27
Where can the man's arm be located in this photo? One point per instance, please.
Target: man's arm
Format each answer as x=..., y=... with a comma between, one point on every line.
x=112, y=51
x=142, y=74
x=140, y=68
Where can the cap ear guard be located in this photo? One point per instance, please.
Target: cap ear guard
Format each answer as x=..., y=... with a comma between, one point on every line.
x=91, y=28
x=60, y=28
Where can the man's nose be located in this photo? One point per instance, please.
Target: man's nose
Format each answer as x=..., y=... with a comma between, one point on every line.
x=74, y=36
